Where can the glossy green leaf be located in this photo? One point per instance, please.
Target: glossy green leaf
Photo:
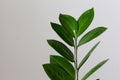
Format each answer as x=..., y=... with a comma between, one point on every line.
x=62, y=62
x=91, y=35
x=85, y=20
x=54, y=72
x=69, y=23
x=61, y=49
x=94, y=69
x=87, y=56
x=63, y=33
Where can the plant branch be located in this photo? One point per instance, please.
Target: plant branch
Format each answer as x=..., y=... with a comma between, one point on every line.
x=75, y=58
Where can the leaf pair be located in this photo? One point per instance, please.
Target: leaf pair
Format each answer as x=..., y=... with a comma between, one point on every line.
x=89, y=73
x=83, y=22
x=87, y=56
x=76, y=28
x=94, y=69
x=71, y=28
x=59, y=69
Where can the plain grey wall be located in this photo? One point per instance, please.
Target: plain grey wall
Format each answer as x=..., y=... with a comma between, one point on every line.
x=24, y=29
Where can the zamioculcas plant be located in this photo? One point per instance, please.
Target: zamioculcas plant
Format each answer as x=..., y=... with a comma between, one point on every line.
x=66, y=67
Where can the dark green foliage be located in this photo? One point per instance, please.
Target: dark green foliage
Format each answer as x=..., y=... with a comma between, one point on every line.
x=63, y=63
x=69, y=23
x=61, y=49
x=85, y=20
x=61, y=67
x=91, y=35
x=55, y=72
x=61, y=31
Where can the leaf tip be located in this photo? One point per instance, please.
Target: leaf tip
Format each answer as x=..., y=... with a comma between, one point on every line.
x=92, y=8
x=49, y=41
x=51, y=23
x=107, y=59
x=43, y=65
x=105, y=28
x=60, y=15
x=99, y=42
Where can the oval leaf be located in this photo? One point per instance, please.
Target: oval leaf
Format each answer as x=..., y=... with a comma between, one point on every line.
x=63, y=33
x=69, y=23
x=62, y=62
x=87, y=56
x=54, y=72
x=85, y=20
x=91, y=35
x=94, y=69
x=61, y=49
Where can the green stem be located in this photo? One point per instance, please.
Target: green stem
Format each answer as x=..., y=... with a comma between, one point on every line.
x=75, y=58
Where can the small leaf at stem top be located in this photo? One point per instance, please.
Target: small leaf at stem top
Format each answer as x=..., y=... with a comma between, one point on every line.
x=85, y=20
x=69, y=23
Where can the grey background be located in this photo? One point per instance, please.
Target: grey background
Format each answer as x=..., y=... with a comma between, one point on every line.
x=24, y=29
